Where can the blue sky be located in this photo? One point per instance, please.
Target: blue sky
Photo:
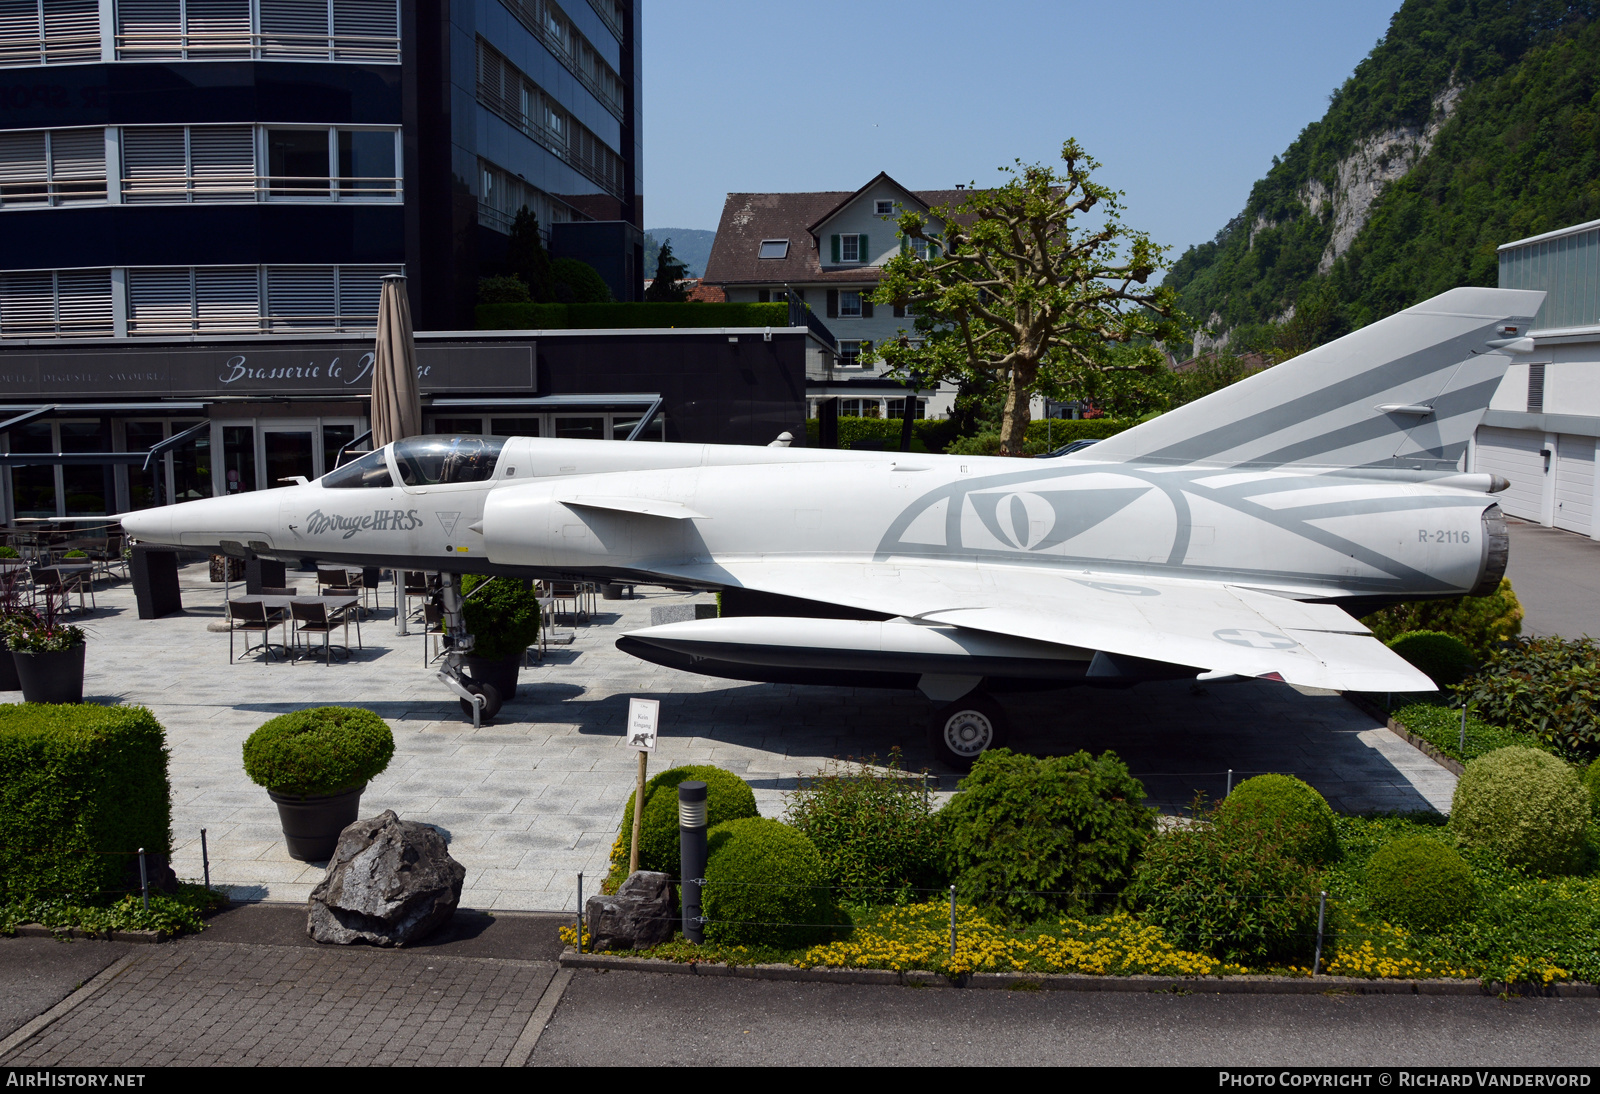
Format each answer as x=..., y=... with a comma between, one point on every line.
x=1184, y=104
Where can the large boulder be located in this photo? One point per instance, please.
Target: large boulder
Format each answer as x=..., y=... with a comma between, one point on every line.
x=638, y=916
x=390, y=882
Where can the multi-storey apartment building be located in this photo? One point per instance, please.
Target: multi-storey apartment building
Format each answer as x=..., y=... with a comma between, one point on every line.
x=221, y=179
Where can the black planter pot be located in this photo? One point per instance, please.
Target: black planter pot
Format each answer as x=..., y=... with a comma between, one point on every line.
x=312, y=822
x=502, y=674
x=8, y=669
x=50, y=677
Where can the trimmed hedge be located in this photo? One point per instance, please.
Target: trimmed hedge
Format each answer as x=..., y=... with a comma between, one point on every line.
x=1591, y=783
x=77, y=783
x=1033, y=837
x=764, y=885
x=728, y=797
x=1420, y=883
x=1523, y=805
x=927, y=434
x=628, y=316
x=318, y=751
x=503, y=619
x=1287, y=803
x=1443, y=658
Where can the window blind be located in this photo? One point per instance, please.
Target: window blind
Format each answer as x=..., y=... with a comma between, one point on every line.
x=20, y=35
x=217, y=28
x=78, y=165
x=222, y=162
x=154, y=164
x=359, y=289
x=366, y=29
x=22, y=169
x=71, y=30
x=27, y=304
x=160, y=301
x=83, y=302
x=149, y=30
x=300, y=297
x=227, y=298
x=294, y=28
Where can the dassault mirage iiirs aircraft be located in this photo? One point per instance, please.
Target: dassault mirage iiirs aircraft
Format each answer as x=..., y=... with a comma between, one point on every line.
x=1226, y=538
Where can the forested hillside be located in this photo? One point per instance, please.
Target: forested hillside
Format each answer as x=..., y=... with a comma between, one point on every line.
x=1474, y=122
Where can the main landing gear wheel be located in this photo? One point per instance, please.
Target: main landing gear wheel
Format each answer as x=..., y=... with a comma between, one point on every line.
x=963, y=730
x=491, y=700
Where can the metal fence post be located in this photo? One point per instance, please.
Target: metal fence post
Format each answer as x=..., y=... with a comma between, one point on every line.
x=1322, y=917
x=205, y=858
x=1463, y=731
x=1229, y=790
x=144, y=882
x=580, y=911
x=952, y=922
x=692, y=856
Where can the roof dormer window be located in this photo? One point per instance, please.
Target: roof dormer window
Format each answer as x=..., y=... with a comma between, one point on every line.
x=774, y=248
x=849, y=248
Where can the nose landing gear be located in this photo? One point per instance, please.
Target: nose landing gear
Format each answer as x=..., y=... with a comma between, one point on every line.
x=479, y=698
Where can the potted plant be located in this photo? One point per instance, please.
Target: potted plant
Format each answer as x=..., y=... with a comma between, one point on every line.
x=503, y=619
x=314, y=765
x=11, y=608
x=47, y=653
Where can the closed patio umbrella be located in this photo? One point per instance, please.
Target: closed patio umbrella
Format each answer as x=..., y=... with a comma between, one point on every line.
x=396, y=404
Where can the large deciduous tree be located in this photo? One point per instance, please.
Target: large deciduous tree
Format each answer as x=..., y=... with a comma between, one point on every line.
x=1008, y=287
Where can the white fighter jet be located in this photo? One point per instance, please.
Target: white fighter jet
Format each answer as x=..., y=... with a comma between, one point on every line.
x=1236, y=536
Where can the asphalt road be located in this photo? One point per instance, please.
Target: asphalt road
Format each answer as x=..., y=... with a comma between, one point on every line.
x=619, y=1018
x=1556, y=576
x=37, y=973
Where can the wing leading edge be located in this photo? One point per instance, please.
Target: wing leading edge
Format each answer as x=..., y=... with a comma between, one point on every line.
x=1208, y=625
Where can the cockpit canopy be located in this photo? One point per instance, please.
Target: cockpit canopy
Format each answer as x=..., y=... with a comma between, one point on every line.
x=423, y=461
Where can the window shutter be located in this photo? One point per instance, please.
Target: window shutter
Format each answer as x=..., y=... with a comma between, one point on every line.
x=836, y=249
x=149, y=30
x=301, y=297
x=366, y=30
x=71, y=30
x=833, y=298
x=27, y=304
x=866, y=301
x=359, y=290
x=227, y=298
x=83, y=302
x=22, y=170
x=862, y=253
x=19, y=32
x=294, y=28
x=222, y=160
x=217, y=28
x=160, y=301
x=905, y=244
x=899, y=311
x=154, y=166
x=78, y=165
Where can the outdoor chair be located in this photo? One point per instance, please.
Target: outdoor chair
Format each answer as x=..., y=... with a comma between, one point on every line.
x=419, y=585
x=56, y=589
x=433, y=633
x=311, y=617
x=253, y=616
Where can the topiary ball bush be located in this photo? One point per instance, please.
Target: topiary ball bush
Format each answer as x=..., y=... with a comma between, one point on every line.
x=9, y=552
x=728, y=797
x=1300, y=816
x=764, y=885
x=1443, y=658
x=503, y=619
x=76, y=554
x=1523, y=805
x=1421, y=883
x=1591, y=783
x=324, y=750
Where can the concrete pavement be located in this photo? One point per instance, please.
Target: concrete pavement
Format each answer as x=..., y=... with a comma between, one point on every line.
x=1556, y=576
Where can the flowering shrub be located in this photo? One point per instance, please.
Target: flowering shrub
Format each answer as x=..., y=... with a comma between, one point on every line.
x=875, y=829
x=1546, y=687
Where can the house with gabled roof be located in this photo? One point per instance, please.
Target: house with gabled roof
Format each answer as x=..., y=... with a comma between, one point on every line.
x=827, y=249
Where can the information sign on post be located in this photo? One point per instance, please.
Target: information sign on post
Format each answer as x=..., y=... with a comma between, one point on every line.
x=643, y=717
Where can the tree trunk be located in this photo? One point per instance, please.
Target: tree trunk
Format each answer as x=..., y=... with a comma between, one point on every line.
x=1014, y=425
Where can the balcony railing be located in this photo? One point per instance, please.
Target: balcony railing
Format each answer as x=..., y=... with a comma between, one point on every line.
x=52, y=49
x=32, y=192
x=167, y=45
x=253, y=324
x=155, y=189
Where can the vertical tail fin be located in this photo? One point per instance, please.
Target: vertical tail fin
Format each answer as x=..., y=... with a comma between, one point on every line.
x=1407, y=391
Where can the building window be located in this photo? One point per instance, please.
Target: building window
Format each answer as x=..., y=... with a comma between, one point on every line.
x=896, y=408
x=504, y=195
x=562, y=37
x=849, y=248
x=774, y=248
x=343, y=30
x=49, y=32
x=56, y=304
x=884, y=208
x=850, y=304
x=859, y=408
x=52, y=167
x=504, y=89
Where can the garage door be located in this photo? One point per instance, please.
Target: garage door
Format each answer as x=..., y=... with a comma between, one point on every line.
x=1517, y=455
x=1575, y=483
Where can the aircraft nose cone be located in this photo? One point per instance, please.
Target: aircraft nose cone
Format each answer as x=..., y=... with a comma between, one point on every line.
x=150, y=525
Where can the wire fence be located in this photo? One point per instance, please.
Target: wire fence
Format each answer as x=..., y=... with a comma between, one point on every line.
x=143, y=856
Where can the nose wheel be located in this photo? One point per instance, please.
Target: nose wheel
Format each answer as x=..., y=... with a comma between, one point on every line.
x=489, y=700
x=965, y=729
